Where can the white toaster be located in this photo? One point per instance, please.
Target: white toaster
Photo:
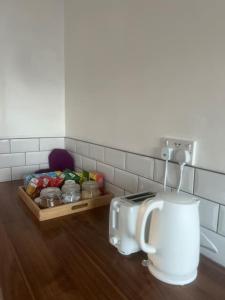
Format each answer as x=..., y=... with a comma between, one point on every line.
x=122, y=221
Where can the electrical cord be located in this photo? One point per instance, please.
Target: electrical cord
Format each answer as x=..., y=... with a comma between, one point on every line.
x=181, y=176
x=165, y=175
x=182, y=157
x=166, y=154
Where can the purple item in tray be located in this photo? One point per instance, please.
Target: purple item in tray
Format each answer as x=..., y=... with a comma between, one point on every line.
x=59, y=160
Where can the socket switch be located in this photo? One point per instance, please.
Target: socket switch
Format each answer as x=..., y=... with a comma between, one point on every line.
x=180, y=144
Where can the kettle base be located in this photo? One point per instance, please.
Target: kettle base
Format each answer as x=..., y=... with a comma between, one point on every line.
x=172, y=279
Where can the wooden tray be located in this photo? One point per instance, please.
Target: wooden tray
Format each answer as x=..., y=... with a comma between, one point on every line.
x=65, y=209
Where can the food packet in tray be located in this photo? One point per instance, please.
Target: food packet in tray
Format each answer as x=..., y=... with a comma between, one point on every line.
x=27, y=179
x=78, y=177
x=35, y=185
x=99, y=178
x=69, y=175
x=81, y=176
x=56, y=182
x=32, y=187
x=49, y=174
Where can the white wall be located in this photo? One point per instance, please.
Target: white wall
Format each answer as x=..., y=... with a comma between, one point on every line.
x=31, y=68
x=140, y=70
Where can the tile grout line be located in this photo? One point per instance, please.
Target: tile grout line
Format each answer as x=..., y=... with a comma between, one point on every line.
x=10, y=147
x=154, y=160
x=129, y=172
x=195, y=168
x=132, y=173
x=148, y=156
x=110, y=147
x=125, y=161
x=34, y=137
x=217, y=233
x=118, y=149
x=153, y=180
x=194, y=178
x=25, y=164
x=138, y=184
x=10, y=151
x=218, y=217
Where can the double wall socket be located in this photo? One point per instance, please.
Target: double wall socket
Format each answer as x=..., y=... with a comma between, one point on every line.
x=179, y=144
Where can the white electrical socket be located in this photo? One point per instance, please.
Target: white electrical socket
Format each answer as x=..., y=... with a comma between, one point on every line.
x=180, y=144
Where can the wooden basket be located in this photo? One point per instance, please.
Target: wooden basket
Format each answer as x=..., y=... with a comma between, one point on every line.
x=65, y=209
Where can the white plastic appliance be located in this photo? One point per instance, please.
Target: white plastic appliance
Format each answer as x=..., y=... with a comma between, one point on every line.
x=173, y=245
x=123, y=221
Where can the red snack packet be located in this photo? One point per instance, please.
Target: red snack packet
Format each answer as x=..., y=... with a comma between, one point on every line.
x=55, y=182
x=43, y=182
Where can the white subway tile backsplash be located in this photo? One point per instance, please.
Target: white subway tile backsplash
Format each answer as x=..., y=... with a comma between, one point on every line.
x=82, y=148
x=221, y=224
x=126, y=181
x=44, y=166
x=70, y=145
x=107, y=170
x=208, y=214
x=210, y=185
x=24, y=145
x=96, y=152
x=88, y=164
x=218, y=241
x=33, y=158
x=140, y=165
x=51, y=143
x=146, y=185
x=4, y=146
x=173, y=175
x=114, y=189
x=5, y=174
x=77, y=161
x=12, y=160
x=20, y=172
x=115, y=158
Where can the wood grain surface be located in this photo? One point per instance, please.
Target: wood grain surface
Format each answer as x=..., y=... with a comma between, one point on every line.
x=71, y=258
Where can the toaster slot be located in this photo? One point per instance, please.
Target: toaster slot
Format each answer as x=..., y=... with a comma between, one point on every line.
x=140, y=197
x=143, y=198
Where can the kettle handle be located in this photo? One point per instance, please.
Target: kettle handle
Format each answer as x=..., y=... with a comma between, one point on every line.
x=151, y=205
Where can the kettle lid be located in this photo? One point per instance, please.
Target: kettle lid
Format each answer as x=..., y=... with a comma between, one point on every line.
x=178, y=198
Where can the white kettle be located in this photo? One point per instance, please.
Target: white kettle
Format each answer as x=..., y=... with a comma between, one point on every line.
x=173, y=245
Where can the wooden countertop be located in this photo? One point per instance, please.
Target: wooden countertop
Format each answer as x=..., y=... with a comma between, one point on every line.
x=71, y=259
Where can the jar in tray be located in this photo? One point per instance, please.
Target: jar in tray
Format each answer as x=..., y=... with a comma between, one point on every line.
x=90, y=189
x=70, y=191
x=50, y=197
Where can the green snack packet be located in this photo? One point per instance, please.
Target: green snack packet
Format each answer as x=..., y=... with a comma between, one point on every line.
x=77, y=178
x=68, y=175
x=81, y=176
x=85, y=175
